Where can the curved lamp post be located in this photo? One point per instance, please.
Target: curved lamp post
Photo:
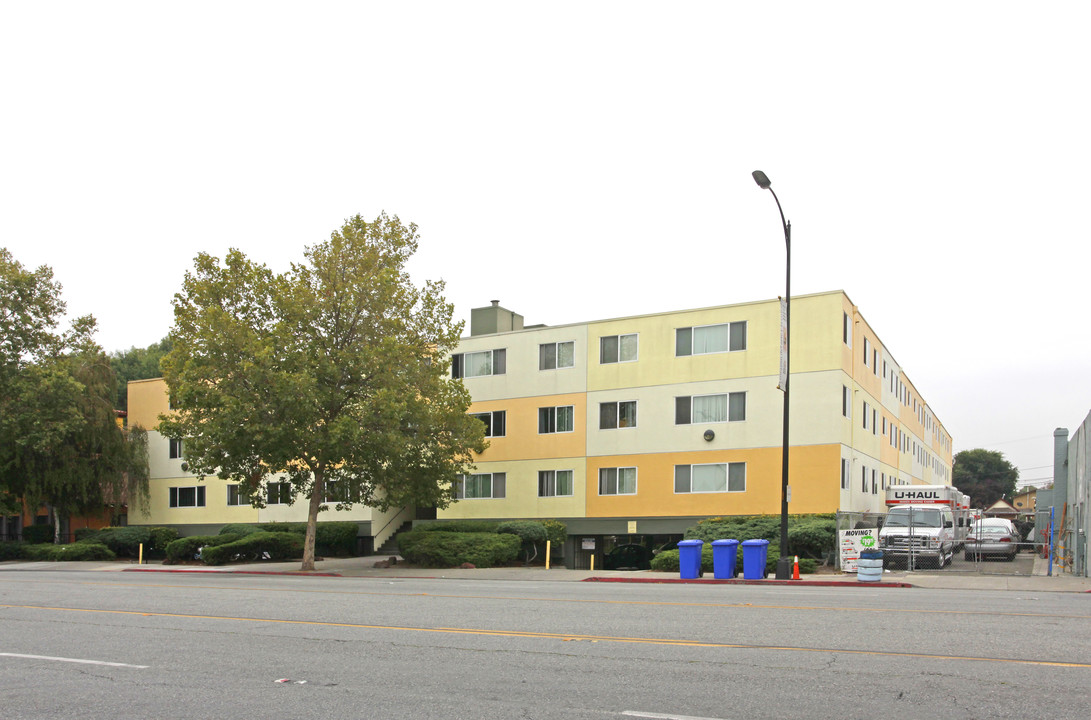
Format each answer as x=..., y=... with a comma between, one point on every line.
x=784, y=564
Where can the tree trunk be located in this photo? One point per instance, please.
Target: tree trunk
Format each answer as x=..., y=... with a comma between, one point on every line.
x=312, y=520
x=56, y=524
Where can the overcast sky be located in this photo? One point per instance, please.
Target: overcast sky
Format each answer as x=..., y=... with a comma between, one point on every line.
x=588, y=160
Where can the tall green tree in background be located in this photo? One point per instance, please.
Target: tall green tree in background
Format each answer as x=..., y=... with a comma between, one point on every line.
x=60, y=442
x=331, y=376
x=137, y=364
x=984, y=475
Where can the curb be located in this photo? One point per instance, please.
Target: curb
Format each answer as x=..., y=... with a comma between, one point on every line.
x=737, y=581
x=237, y=572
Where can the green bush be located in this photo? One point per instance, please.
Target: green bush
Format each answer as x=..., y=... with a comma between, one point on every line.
x=37, y=534
x=530, y=532
x=11, y=550
x=160, y=538
x=330, y=538
x=239, y=529
x=466, y=526
x=186, y=548
x=81, y=534
x=429, y=548
x=255, y=546
x=73, y=552
x=667, y=561
x=812, y=536
x=123, y=541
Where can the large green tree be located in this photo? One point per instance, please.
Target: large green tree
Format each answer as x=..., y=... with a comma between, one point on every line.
x=60, y=442
x=984, y=475
x=331, y=376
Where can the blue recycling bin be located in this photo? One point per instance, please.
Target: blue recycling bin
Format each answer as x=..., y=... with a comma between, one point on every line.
x=754, y=556
x=689, y=559
x=724, y=555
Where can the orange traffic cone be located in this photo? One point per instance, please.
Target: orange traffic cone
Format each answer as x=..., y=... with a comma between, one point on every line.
x=795, y=569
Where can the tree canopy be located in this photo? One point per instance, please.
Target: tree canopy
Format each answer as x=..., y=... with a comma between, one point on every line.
x=137, y=364
x=60, y=442
x=330, y=376
x=984, y=475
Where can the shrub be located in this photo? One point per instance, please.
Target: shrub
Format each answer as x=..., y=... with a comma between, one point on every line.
x=239, y=529
x=123, y=541
x=667, y=561
x=81, y=534
x=530, y=532
x=160, y=538
x=255, y=546
x=812, y=538
x=467, y=526
x=73, y=552
x=429, y=548
x=11, y=550
x=187, y=548
x=330, y=538
x=37, y=534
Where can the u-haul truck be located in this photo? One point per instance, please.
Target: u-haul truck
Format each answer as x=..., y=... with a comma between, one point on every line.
x=924, y=524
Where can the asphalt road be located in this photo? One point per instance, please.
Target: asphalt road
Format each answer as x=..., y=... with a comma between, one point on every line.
x=134, y=645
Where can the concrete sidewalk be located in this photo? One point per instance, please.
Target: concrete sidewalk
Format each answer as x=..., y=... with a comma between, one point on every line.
x=365, y=567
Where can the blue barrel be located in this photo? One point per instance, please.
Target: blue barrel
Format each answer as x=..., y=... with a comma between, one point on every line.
x=724, y=555
x=869, y=566
x=755, y=554
x=689, y=559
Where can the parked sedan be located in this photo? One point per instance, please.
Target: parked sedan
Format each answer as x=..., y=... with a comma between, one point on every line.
x=992, y=536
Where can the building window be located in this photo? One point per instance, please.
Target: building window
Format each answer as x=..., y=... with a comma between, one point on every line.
x=614, y=415
x=617, y=481
x=710, y=408
x=495, y=422
x=846, y=402
x=867, y=351
x=278, y=493
x=874, y=484
x=237, y=495
x=181, y=497
x=874, y=421
x=476, y=364
x=481, y=486
x=844, y=474
x=865, y=413
x=175, y=448
x=705, y=339
x=556, y=355
x=337, y=491
x=863, y=478
x=556, y=419
x=710, y=478
x=554, y=483
x=846, y=330
x=617, y=348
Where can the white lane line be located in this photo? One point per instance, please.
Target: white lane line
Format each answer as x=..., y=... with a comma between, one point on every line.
x=658, y=716
x=73, y=660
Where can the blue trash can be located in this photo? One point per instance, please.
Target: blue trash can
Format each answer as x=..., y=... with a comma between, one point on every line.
x=689, y=559
x=724, y=555
x=754, y=556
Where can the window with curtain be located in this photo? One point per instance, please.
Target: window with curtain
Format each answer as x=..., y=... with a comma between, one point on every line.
x=705, y=339
x=556, y=355
x=617, y=481
x=617, y=348
x=554, y=483
x=555, y=419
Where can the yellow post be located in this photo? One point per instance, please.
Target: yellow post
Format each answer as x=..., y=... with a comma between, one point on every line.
x=140, y=556
x=592, y=562
x=548, y=544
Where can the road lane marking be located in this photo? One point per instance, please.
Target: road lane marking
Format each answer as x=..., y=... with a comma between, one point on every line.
x=568, y=637
x=74, y=660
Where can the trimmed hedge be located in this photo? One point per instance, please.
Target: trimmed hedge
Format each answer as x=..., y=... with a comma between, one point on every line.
x=186, y=548
x=255, y=546
x=465, y=526
x=36, y=534
x=330, y=538
x=239, y=529
x=74, y=552
x=11, y=550
x=809, y=536
x=126, y=541
x=430, y=548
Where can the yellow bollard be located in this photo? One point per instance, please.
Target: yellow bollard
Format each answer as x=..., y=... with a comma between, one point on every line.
x=140, y=556
x=592, y=562
x=548, y=545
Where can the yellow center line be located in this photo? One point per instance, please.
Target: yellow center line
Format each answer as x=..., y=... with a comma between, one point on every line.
x=568, y=637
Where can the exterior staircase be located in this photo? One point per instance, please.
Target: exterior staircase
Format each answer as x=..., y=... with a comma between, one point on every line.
x=390, y=547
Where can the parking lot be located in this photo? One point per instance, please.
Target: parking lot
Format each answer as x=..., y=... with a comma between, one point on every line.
x=1021, y=564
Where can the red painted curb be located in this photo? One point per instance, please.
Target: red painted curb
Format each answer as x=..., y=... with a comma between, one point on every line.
x=737, y=581
x=237, y=572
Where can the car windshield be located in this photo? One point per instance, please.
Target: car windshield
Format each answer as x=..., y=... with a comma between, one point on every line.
x=922, y=517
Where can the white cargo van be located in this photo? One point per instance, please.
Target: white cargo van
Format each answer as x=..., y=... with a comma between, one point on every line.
x=919, y=528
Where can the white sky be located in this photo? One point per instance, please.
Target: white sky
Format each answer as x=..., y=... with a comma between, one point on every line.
x=587, y=160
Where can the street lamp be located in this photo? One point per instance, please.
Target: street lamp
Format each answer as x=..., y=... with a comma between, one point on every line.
x=784, y=564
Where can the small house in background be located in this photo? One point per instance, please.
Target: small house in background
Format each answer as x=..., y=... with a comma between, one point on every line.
x=1002, y=509
x=1024, y=502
